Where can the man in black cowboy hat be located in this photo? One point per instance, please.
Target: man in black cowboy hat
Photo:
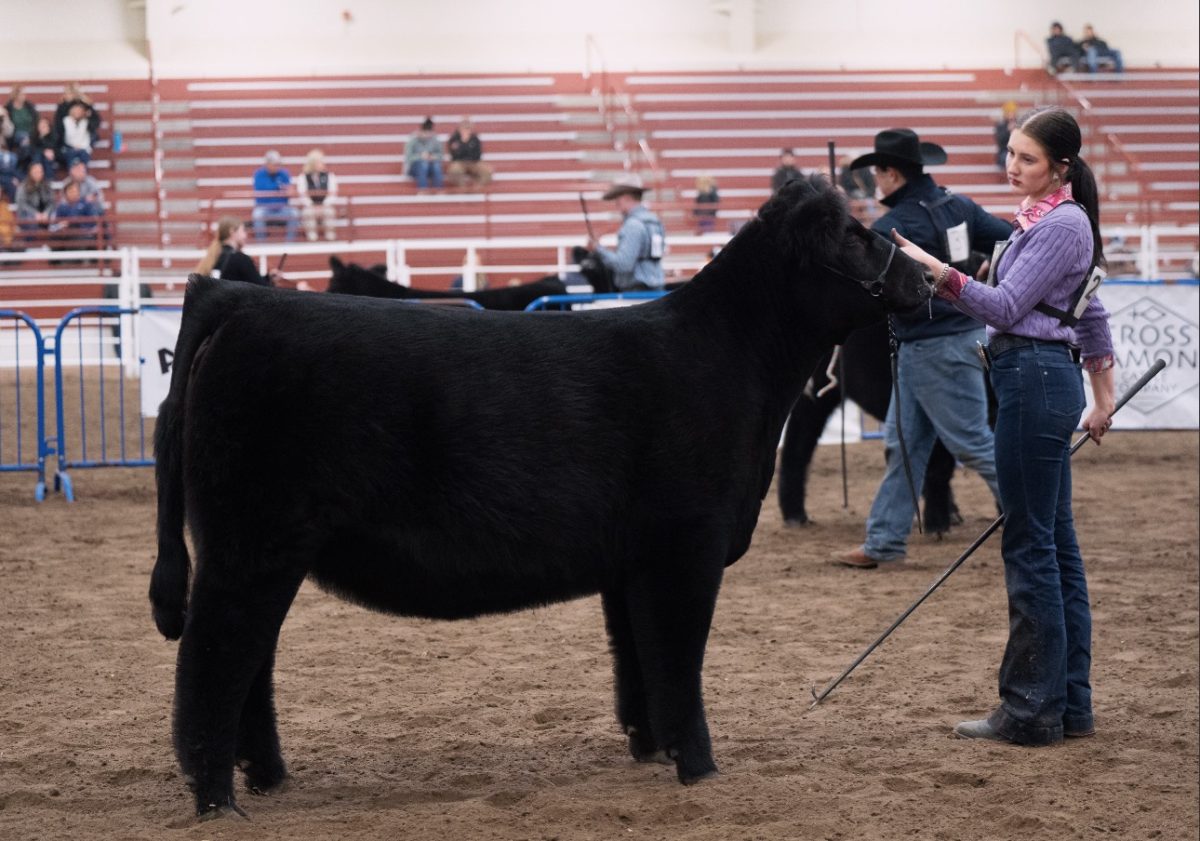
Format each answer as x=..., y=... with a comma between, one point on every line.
x=636, y=264
x=941, y=386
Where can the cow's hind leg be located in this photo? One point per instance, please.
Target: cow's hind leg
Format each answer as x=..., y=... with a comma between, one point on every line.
x=232, y=627
x=670, y=611
x=941, y=512
x=630, y=689
x=804, y=429
x=258, y=753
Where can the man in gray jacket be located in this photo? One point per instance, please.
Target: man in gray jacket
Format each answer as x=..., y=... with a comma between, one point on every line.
x=636, y=263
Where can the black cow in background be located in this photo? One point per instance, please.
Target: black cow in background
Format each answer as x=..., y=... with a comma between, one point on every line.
x=349, y=279
x=434, y=462
x=866, y=362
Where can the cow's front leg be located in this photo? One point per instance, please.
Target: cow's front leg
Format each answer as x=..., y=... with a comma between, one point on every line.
x=230, y=634
x=670, y=611
x=628, y=685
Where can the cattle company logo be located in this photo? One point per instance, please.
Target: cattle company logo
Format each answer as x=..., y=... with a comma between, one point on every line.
x=1144, y=332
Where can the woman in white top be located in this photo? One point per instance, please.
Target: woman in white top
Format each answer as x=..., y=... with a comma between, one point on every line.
x=317, y=189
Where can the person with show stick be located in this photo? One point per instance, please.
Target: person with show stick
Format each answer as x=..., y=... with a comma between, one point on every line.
x=1039, y=305
x=636, y=264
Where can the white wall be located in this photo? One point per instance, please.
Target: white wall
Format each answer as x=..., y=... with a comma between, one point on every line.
x=98, y=38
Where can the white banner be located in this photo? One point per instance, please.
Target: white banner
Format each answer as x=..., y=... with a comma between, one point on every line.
x=1152, y=321
x=157, y=331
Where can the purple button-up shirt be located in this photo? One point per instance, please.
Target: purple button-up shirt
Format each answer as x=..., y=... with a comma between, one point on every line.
x=1045, y=263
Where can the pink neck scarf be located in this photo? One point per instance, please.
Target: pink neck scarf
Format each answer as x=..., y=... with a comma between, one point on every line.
x=1027, y=217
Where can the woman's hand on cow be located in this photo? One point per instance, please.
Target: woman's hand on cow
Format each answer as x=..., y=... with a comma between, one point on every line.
x=932, y=264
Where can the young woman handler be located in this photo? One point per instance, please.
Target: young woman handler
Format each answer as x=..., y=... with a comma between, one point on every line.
x=1045, y=693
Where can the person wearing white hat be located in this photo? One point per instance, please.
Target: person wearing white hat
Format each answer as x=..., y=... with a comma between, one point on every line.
x=636, y=264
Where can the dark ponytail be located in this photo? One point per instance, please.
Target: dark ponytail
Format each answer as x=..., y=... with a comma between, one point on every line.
x=1055, y=130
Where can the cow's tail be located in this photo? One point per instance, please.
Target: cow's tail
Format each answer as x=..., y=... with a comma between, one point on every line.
x=172, y=568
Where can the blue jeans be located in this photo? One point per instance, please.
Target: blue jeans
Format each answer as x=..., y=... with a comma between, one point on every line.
x=942, y=395
x=1044, y=683
x=262, y=213
x=425, y=171
x=1092, y=56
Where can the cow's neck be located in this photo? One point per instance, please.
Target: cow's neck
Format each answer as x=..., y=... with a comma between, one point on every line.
x=779, y=340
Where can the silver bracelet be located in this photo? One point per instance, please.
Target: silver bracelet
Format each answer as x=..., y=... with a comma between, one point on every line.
x=941, y=278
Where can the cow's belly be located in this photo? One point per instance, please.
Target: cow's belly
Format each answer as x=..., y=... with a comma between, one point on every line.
x=448, y=577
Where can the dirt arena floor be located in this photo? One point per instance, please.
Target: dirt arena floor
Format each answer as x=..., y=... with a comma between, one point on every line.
x=502, y=728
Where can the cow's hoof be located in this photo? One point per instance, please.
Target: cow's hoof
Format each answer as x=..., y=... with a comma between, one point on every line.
x=264, y=778
x=212, y=811
x=262, y=787
x=659, y=757
x=692, y=779
x=797, y=522
x=645, y=750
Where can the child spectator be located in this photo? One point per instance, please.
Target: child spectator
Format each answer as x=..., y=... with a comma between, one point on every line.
x=89, y=187
x=705, y=209
x=423, y=156
x=1096, y=50
x=317, y=188
x=272, y=187
x=35, y=202
x=466, y=153
x=76, y=219
x=23, y=114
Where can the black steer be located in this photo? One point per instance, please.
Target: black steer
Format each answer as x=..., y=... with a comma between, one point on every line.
x=354, y=280
x=427, y=461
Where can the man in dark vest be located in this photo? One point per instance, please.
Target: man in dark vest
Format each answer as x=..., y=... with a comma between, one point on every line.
x=942, y=393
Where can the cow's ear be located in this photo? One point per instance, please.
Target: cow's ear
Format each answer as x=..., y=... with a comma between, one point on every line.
x=336, y=264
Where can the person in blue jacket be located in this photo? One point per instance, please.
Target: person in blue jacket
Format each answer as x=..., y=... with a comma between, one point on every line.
x=941, y=385
x=272, y=189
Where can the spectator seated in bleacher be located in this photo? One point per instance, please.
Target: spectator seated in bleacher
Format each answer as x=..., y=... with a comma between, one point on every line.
x=75, y=136
x=317, y=189
x=1003, y=130
x=42, y=147
x=786, y=171
x=423, y=157
x=10, y=176
x=89, y=187
x=35, y=204
x=705, y=209
x=1096, y=52
x=466, y=154
x=7, y=129
x=76, y=220
x=73, y=95
x=272, y=188
x=24, y=117
x=1065, y=54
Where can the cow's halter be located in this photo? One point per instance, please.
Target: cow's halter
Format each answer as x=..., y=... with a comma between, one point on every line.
x=874, y=287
